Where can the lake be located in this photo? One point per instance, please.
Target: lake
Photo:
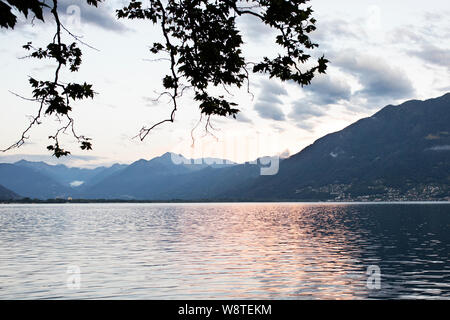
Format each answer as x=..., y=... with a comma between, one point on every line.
x=225, y=251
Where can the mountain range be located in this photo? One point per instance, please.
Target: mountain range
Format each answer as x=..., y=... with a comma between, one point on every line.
x=399, y=153
x=6, y=194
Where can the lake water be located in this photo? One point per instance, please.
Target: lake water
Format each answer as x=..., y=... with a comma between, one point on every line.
x=225, y=251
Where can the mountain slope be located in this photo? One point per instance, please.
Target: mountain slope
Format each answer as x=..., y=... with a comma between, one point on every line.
x=156, y=179
x=209, y=183
x=29, y=183
x=67, y=176
x=6, y=194
x=398, y=151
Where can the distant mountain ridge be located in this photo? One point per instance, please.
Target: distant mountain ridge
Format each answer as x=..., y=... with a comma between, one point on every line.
x=399, y=153
x=30, y=183
x=158, y=178
x=139, y=180
x=66, y=176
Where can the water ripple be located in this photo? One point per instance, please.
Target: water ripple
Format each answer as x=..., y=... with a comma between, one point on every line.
x=224, y=251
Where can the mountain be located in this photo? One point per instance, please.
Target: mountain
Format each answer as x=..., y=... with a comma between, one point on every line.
x=71, y=176
x=6, y=194
x=144, y=179
x=401, y=152
x=30, y=183
x=161, y=178
x=209, y=183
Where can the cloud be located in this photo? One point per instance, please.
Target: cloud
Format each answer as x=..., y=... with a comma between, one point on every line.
x=76, y=183
x=338, y=28
x=304, y=110
x=435, y=16
x=440, y=148
x=271, y=87
x=444, y=89
x=380, y=81
x=433, y=55
x=421, y=40
x=278, y=128
x=406, y=34
x=150, y=102
x=325, y=89
x=253, y=28
x=305, y=125
x=243, y=118
x=269, y=102
x=269, y=111
x=285, y=154
x=269, y=98
x=433, y=28
x=78, y=11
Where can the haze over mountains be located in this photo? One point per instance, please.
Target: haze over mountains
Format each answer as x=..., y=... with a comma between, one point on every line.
x=71, y=176
x=400, y=153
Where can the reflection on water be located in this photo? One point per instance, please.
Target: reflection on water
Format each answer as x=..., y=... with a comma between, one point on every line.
x=223, y=251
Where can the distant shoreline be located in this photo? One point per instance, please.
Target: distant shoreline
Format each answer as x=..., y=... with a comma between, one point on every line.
x=105, y=201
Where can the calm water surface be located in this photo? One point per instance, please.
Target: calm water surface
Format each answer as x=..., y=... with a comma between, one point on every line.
x=224, y=251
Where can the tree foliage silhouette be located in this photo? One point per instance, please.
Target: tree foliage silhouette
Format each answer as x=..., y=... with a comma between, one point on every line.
x=203, y=44
x=53, y=96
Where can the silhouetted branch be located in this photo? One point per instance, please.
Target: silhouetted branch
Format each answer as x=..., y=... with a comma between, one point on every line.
x=78, y=38
x=47, y=92
x=145, y=131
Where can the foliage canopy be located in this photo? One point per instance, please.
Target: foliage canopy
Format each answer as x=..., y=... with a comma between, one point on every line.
x=202, y=42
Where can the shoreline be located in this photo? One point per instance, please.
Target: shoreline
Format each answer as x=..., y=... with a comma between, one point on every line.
x=218, y=201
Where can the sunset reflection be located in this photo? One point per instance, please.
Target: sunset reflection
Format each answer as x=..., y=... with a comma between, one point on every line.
x=225, y=251
x=290, y=250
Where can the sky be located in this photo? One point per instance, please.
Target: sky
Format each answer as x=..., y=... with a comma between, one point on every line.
x=381, y=52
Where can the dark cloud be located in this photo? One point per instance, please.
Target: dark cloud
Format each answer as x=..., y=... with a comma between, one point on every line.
x=380, y=81
x=270, y=87
x=269, y=103
x=325, y=89
x=241, y=117
x=304, y=110
x=103, y=16
x=434, y=55
x=270, y=98
x=269, y=111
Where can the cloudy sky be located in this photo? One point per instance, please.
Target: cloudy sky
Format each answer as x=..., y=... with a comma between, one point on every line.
x=381, y=52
